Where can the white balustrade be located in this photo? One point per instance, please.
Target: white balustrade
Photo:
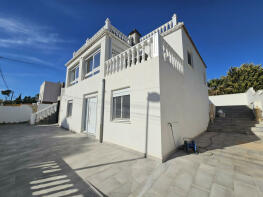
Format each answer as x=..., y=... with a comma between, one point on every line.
x=117, y=33
x=167, y=26
x=169, y=55
x=134, y=55
x=108, y=26
x=40, y=115
x=88, y=41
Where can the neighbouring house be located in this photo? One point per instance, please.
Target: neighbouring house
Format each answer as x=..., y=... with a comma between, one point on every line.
x=146, y=93
x=49, y=92
x=47, y=107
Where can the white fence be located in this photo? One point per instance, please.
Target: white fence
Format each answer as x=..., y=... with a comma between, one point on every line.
x=229, y=99
x=15, y=114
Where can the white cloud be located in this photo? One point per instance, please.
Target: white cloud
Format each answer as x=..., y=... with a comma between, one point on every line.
x=31, y=60
x=16, y=33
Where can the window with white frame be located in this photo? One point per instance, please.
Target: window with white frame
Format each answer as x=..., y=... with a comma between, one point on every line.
x=189, y=58
x=92, y=64
x=69, y=108
x=74, y=75
x=121, y=104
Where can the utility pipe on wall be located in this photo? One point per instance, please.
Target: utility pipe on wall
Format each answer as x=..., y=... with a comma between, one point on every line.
x=102, y=110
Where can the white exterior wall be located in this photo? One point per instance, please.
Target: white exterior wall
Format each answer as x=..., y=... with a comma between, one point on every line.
x=41, y=91
x=49, y=92
x=247, y=98
x=15, y=114
x=142, y=79
x=229, y=99
x=78, y=91
x=184, y=97
x=158, y=94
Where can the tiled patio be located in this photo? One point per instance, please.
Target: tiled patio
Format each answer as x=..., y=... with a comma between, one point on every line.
x=50, y=161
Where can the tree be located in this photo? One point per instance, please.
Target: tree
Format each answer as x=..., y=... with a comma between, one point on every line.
x=18, y=100
x=25, y=100
x=238, y=80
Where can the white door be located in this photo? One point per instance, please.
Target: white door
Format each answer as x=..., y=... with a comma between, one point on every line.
x=91, y=114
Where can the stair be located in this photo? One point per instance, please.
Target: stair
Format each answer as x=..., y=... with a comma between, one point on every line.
x=51, y=119
x=238, y=119
x=47, y=115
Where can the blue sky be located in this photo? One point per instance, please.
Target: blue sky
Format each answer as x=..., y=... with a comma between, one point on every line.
x=46, y=32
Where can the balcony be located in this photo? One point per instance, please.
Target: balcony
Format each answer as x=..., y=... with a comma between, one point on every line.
x=148, y=48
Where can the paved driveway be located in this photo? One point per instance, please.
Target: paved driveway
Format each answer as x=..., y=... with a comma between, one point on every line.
x=50, y=161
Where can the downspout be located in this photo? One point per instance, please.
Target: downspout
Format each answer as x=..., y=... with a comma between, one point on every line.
x=102, y=110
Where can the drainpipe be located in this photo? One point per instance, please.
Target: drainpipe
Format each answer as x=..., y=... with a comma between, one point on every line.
x=102, y=110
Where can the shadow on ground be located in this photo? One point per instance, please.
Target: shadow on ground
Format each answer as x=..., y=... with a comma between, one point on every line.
x=31, y=162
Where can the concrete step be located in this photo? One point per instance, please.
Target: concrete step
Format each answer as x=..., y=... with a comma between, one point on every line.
x=241, y=129
x=247, y=132
x=235, y=122
x=259, y=125
x=49, y=120
x=238, y=119
x=257, y=129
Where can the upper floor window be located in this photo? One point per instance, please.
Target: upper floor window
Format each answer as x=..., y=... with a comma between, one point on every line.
x=92, y=64
x=189, y=58
x=74, y=75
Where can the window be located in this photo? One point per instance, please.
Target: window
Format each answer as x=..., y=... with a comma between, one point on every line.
x=92, y=64
x=74, y=75
x=189, y=59
x=121, y=104
x=69, y=108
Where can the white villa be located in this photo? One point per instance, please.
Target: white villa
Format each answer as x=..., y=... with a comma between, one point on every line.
x=144, y=93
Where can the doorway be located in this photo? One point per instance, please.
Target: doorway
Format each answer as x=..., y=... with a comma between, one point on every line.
x=90, y=115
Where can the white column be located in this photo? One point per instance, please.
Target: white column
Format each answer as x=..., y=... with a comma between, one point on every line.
x=124, y=60
x=133, y=56
x=107, y=23
x=121, y=61
x=156, y=40
x=174, y=19
x=105, y=52
x=81, y=69
x=138, y=53
x=67, y=78
x=143, y=51
x=129, y=58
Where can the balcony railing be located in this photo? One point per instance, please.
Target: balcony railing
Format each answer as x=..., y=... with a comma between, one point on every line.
x=170, y=56
x=139, y=53
x=142, y=52
x=164, y=28
x=108, y=26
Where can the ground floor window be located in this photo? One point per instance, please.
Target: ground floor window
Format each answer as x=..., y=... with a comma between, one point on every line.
x=121, y=104
x=69, y=108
